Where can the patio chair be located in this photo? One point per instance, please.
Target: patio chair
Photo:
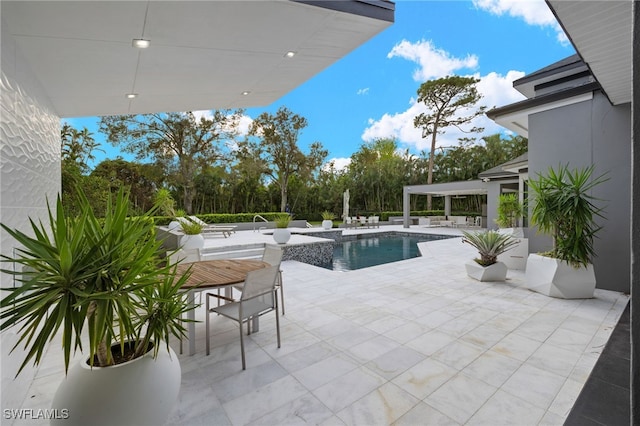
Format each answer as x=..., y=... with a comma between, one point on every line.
x=210, y=228
x=273, y=256
x=374, y=221
x=259, y=297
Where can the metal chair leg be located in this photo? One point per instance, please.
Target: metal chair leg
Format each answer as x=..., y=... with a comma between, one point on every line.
x=207, y=322
x=244, y=364
x=281, y=284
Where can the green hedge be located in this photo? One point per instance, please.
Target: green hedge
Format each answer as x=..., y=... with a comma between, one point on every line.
x=222, y=218
x=271, y=216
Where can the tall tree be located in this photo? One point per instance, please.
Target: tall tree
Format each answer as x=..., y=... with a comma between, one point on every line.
x=141, y=180
x=77, y=150
x=279, y=149
x=445, y=98
x=178, y=140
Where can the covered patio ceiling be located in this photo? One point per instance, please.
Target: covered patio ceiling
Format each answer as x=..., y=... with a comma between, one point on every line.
x=202, y=54
x=472, y=187
x=601, y=32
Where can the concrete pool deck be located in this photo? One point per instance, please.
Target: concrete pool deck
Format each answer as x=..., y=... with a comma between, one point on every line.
x=405, y=343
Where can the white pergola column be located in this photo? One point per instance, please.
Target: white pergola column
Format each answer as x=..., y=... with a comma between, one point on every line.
x=406, y=206
x=447, y=205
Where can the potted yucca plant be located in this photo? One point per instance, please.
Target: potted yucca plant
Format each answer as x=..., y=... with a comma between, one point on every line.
x=282, y=234
x=327, y=219
x=192, y=238
x=490, y=244
x=510, y=210
x=564, y=207
x=101, y=285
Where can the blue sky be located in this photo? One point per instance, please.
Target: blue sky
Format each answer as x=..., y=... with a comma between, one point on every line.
x=371, y=92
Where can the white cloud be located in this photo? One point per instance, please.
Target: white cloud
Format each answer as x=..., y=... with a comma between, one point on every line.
x=339, y=163
x=202, y=114
x=363, y=91
x=533, y=12
x=244, y=125
x=434, y=62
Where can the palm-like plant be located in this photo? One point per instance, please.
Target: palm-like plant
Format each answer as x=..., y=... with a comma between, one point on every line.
x=509, y=210
x=190, y=227
x=102, y=274
x=564, y=208
x=327, y=215
x=490, y=244
x=283, y=220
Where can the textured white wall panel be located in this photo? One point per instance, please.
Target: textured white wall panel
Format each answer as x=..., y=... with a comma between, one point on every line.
x=29, y=173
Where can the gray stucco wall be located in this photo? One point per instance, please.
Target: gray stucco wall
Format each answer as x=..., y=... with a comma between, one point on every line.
x=585, y=133
x=493, y=192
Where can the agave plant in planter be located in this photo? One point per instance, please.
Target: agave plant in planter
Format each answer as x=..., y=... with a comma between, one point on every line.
x=490, y=244
x=100, y=283
x=327, y=219
x=192, y=238
x=282, y=234
x=564, y=208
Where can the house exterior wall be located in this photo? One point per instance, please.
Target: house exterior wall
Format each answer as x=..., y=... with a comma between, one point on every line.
x=585, y=133
x=29, y=172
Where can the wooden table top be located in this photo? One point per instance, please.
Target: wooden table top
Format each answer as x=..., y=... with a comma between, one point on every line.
x=219, y=273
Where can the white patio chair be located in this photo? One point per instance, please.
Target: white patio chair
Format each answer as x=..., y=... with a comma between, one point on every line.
x=258, y=298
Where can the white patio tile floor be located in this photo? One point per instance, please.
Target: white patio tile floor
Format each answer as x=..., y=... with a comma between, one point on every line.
x=407, y=343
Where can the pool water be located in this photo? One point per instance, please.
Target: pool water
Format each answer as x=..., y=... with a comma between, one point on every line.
x=367, y=251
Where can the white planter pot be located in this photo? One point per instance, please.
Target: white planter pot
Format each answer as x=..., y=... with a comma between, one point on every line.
x=174, y=225
x=555, y=278
x=327, y=224
x=281, y=235
x=516, y=256
x=192, y=242
x=495, y=272
x=514, y=232
x=138, y=392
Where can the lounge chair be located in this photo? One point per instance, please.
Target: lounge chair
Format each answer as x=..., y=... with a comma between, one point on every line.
x=210, y=229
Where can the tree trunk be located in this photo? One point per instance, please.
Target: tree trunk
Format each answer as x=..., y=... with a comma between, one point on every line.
x=432, y=156
x=187, y=199
x=284, y=201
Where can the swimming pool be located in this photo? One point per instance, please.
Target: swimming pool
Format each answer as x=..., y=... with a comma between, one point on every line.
x=366, y=251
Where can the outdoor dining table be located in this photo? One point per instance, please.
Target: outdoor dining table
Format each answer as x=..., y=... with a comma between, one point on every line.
x=213, y=274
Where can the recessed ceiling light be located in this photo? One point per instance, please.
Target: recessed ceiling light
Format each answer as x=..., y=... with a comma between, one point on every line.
x=140, y=43
x=290, y=54
x=131, y=95
x=245, y=93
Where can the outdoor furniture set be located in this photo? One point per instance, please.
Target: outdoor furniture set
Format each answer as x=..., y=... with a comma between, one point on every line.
x=257, y=280
x=362, y=221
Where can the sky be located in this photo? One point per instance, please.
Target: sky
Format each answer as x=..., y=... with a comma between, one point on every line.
x=371, y=93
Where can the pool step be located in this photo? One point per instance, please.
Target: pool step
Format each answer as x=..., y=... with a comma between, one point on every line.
x=246, y=251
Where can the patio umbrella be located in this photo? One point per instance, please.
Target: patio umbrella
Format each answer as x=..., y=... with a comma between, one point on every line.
x=345, y=205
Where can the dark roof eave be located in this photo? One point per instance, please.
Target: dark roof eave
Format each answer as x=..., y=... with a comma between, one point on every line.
x=572, y=62
x=377, y=9
x=541, y=100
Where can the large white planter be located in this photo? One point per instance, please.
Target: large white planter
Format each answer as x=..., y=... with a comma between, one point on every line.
x=555, y=278
x=191, y=242
x=281, y=235
x=174, y=225
x=495, y=272
x=514, y=232
x=138, y=392
x=327, y=224
x=516, y=256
